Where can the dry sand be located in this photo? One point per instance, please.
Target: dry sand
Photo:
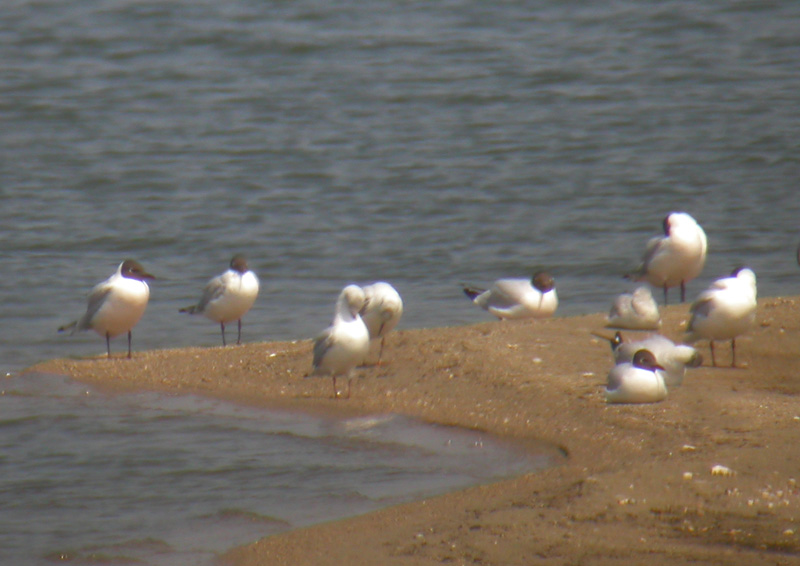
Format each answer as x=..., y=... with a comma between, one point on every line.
x=637, y=486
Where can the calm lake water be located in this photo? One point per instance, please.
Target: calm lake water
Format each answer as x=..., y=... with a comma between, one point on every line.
x=423, y=144
x=174, y=480
x=426, y=144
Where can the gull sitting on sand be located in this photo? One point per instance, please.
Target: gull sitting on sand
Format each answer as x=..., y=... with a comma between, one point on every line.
x=345, y=343
x=228, y=296
x=676, y=257
x=515, y=298
x=116, y=304
x=725, y=310
x=381, y=312
x=673, y=358
x=638, y=381
x=635, y=311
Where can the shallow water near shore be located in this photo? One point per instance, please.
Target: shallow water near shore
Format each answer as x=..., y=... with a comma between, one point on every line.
x=175, y=480
x=427, y=145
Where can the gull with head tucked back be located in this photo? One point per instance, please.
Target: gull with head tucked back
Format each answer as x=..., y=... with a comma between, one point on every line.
x=635, y=311
x=515, y=298
x=725, y=310
x=638, y=381
x=228, y=296
x=676, y=257
x=116, y=304
x=345, y=343
x=381, y=312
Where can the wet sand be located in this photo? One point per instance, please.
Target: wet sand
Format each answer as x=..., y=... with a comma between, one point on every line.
x=636, y=487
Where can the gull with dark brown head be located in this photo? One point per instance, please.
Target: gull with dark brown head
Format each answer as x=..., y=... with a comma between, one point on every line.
x=116, y=304
x=673, y=358
x=638, y=381
x=515, y=298
x=228, y=296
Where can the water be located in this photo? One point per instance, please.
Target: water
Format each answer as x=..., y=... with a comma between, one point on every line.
x=175, y=480
x=426, y=144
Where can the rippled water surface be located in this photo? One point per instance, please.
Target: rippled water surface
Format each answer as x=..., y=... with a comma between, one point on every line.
x=426, y=144
x=89, y=478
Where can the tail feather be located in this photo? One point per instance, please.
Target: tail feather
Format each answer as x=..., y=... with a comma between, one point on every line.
x=696, y=361
x=614, y=341
x=71, y=326
x=472, y=292
x=635, y=275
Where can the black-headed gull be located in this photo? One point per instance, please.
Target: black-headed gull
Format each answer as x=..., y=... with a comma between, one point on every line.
x=116, y=304
x=228, y=296
x=638, y=381
x=345, y=343
x=725, y=310
x=676, y=257
x=516, y=298
x=381, y=312
x=673, y=358
x=635, y=311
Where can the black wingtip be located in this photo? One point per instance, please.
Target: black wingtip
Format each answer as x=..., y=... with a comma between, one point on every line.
x=67, y=327
x=471, y=292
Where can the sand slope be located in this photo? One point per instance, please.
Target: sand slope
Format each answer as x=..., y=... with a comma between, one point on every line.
x=637, y=486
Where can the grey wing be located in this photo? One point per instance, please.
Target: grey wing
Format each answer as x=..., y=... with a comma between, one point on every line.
x=614, y=378
x=701, y=307
x=322, y=344
x=213, y=290
x=367, y=301
x=653, y=247
x=625, y=352
x=646, y=308
x=642, y=302
x=97, y=297
x=620, y=306
x=505, y=294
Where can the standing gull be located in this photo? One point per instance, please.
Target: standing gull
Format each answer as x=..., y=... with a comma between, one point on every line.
x=518, y=297
x=381, y=312
x=638, y=381
x=228, y=296
x=635, y=311
x=116, y=304
x=345, y=343
x=676, y=257
x=724, y=311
